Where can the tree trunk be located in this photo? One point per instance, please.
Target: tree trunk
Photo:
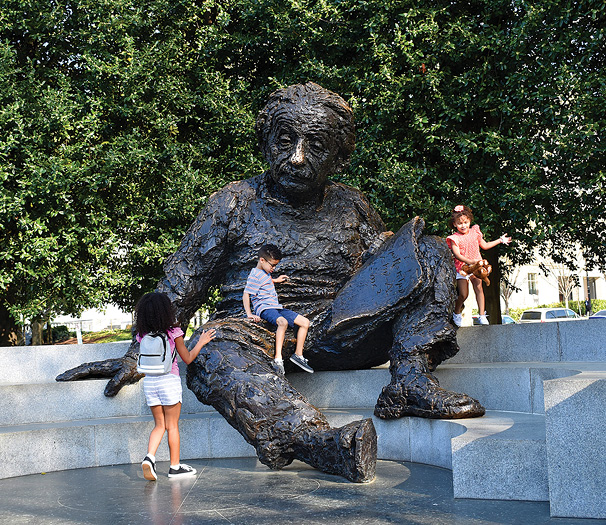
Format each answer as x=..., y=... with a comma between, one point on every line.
x=37, y=333
x=49, y=332
x=492, y=293
x=10, y=332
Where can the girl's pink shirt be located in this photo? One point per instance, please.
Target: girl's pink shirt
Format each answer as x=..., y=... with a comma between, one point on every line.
x=173, y=333
x=469, y=244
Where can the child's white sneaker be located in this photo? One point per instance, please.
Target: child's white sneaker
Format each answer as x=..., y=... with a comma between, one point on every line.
x=457, y=319
x=482, y=319
x=279, y=366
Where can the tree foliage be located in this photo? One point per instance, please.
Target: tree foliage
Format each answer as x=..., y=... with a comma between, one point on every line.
x=120, y=117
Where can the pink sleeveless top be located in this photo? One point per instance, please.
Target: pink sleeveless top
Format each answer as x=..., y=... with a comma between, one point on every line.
x=469, y=244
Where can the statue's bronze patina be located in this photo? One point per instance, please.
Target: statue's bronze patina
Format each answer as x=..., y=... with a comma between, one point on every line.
x=372, y=297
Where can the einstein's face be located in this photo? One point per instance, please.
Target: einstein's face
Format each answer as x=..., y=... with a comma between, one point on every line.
x=303, y=149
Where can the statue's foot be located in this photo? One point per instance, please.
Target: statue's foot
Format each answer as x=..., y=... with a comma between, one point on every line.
x=424, y=398
x=356, y=451
x=349, y=451
x=358, y=441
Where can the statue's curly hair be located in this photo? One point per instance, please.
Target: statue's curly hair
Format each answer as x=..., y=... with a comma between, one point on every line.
x=310, y=94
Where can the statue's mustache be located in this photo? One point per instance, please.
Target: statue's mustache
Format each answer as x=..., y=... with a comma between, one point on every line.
x=304, y=172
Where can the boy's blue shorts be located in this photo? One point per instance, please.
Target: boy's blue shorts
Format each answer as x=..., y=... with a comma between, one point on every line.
x=271, y=315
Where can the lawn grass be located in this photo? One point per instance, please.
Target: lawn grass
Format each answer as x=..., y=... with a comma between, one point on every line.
x=108, y=336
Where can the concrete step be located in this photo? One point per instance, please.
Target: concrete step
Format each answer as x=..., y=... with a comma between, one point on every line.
x=566, y=341
x=41, y=364
x=560, y=342
x=514, y=387
x=575, y=416
x=47, y=447
x=501, y=456
x=36, y=448
x=22, y=404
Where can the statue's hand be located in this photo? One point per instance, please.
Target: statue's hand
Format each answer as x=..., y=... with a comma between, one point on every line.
x=121, y=371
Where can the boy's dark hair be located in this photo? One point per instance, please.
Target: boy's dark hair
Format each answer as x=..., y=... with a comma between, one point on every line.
x=154, y=313
x=270, y=251
x=457, y=212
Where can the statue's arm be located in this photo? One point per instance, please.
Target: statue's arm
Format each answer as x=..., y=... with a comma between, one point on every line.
x=202, y=258
x=189, y=273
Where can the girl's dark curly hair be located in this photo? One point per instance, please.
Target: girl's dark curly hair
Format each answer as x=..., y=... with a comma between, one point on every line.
x=154, y=313
x=459, y=211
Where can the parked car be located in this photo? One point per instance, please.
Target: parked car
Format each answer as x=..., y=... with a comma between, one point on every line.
x=505, y=319
x=599, y=315
x=546, y=315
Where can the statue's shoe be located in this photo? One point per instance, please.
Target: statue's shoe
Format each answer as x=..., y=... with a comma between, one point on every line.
x=425, y=399
x=359, y=442
x=349, y=451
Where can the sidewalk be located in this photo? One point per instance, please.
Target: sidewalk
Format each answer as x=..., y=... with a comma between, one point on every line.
x=242, y=491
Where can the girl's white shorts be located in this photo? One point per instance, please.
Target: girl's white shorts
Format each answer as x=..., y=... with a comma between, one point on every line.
x=459, y=276
x=163, y=390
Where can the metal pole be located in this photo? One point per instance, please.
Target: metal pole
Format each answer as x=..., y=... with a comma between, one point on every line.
x=79, y=332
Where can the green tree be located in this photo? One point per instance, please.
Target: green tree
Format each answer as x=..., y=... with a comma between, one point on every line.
x=113, y=136
x=120, y=117
x=493, y=103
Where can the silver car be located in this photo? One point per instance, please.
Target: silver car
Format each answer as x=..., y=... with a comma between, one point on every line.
x=546, y=315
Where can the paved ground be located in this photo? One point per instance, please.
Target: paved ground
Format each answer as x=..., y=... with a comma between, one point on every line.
x=242, y=491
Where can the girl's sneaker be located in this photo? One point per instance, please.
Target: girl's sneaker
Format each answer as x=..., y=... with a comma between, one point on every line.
x=183, y=471
x=149, y=469
x=483, y=320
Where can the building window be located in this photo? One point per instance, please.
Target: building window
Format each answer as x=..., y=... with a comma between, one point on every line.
x=532, y=284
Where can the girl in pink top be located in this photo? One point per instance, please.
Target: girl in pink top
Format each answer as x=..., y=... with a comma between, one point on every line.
x=155, y=313
x=465, y=243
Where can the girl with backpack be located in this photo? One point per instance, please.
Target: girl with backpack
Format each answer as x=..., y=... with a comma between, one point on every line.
x=154, y=313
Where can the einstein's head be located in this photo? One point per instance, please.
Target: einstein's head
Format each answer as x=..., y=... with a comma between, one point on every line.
x=306, y=133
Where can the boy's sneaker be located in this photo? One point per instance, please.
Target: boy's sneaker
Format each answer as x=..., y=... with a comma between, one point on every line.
x=301, y=362
x=482, y=319
x=278, y=365
x=181, y=472
x=457, y=319
x=149, y=469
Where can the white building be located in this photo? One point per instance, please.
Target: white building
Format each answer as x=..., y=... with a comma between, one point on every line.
x=546, y=282
x=109, y=318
